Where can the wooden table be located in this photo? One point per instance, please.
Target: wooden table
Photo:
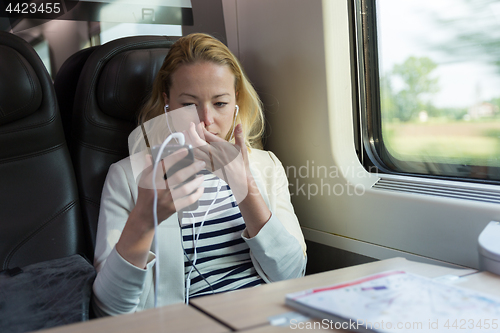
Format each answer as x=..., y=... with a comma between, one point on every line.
x=172, y=318
x=251, y=308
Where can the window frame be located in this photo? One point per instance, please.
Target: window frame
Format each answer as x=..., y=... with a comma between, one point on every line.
x=370, y=147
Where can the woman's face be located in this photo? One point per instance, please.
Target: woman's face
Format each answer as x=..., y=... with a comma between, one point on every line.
x=210, y=87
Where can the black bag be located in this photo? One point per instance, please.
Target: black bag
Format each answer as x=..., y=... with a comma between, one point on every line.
x=46, y=294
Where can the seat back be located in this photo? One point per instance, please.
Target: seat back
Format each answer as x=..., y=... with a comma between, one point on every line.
x=65, y=86
x=40, y=217
x=114, y=83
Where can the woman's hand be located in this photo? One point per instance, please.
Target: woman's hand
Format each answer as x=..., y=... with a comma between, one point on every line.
x=222, y=158
x=230, y=162
x=137, y=236
x=173, y=195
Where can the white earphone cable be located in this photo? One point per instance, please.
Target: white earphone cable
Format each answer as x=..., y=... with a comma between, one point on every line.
x=165, y=108
x=234, y=122
x=195, y=243
x=181, y=141
x=180, y=136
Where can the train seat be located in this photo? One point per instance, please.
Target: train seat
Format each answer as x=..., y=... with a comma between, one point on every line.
x=113, y=84
x=65, y=86
x=40, y=217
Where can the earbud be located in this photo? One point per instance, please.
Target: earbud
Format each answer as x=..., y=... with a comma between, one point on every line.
x=234, y=122
x=165, y=108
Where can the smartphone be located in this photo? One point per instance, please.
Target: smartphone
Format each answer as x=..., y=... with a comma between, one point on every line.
x=186, y=161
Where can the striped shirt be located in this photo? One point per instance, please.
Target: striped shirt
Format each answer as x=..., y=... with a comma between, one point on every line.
x=222, y=255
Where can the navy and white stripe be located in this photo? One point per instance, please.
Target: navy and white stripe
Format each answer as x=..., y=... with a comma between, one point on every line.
x=223, y=257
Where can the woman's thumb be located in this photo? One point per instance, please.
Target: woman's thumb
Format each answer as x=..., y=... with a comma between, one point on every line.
x=239, y=138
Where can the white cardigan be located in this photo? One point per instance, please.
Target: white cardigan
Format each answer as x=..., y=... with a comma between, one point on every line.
x=278, y=251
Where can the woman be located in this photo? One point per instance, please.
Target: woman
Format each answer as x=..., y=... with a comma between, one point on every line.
x=245, y=241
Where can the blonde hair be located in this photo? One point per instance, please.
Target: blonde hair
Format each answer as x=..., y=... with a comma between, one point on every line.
x=202, y=47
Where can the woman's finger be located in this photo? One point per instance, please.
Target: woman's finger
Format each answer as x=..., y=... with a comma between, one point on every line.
x=187, y=188
x=180, y=176
x=239, y=138
x=146, y=179
x=188, y=200
x=193, y=136
x=205, y=154
x=199, y=130
x=209, y=137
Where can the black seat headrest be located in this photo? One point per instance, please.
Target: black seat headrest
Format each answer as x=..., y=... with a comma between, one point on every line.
x=20, y=89
x=126, y=80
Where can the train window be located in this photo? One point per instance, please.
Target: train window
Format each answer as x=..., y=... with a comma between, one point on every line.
x=64, y=27
x=429, y=79
x=111, y=31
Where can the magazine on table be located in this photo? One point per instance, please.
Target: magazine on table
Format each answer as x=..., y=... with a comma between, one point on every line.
x=396, y=301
